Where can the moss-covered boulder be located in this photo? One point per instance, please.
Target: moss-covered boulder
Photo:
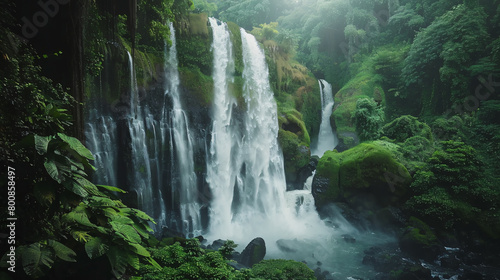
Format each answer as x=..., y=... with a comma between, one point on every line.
x=406, y=127
x=419, y=241
x=367, y=176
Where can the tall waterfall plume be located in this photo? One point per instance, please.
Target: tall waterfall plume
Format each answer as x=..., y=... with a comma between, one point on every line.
x=245, y=166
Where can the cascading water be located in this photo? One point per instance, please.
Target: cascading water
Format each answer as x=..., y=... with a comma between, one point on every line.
x=221, y=175
x=184, y=183
x=100, y=133
x=141, y=177
x=327, y=140
x=245, y=166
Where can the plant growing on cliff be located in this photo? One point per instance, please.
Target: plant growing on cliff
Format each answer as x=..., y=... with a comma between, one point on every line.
x=368, y=119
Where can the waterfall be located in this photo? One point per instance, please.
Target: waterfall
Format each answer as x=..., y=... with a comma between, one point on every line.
x=141, y=175
x=184, y=182
x=100, y=133
x=327, y=140
x=245, y=163
x=221, y=174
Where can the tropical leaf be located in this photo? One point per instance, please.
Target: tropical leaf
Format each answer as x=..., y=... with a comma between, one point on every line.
x=42, y=144
x=110, y=188
x=96, y=248
x=62, y=252
x=143, y=230
x=138, y=249
x=98, y=201
x=75, y=188
x=140, y=214
x=51, y=168
x=36, y=260
x=76, y=146
x=118, y=260
x=86, y=184
x=133, y=261
x=78, y=216
x=126, y=231
x=122, y=220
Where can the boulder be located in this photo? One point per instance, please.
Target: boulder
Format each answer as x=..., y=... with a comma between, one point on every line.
x=254, y=252
x=367, y=177
x=419, y=241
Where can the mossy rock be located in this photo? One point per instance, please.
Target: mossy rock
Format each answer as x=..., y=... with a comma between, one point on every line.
x=406, y=127
x=419, y=241
x=296, y=154
x=326, y=185
x=367, y=176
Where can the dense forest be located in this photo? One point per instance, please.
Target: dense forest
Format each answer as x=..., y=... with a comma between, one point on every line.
x=155, y=139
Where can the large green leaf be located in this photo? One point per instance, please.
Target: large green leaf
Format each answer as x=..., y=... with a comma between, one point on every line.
x=118, y=258
x=86, y=184
x=138, y=249
x=78, y=216
x=62, y=252
x=75, y=188
x=126, y=231
x=36, y=260
x=98, y=201
x=95, y=248
x=76, y=146
x=111, y=188
x=42, y=144
x=140, y=214
x=51, y=168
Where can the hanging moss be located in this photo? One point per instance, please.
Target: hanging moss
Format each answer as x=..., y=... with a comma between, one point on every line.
x=198, y=85
x=235, y=36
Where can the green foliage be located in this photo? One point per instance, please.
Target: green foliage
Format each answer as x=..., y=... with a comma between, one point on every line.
x=188, y=261
x=447, y=48
x=227, y=248
x=368, y=119
x=406, y=127
x=449, y=191
x=281, y=270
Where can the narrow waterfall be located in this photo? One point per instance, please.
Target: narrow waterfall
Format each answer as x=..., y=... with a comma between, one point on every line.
x=245, y=166
x=141, y=175
x=327, y=140
x=184, y=180
x=100, y=135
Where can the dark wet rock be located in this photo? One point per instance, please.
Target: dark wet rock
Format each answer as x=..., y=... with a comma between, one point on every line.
x=471, y=275
x=348, y=238
x=216, y=244
x=419, y=241
x=322, y=275
x=254, y=252
x=450, y=261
